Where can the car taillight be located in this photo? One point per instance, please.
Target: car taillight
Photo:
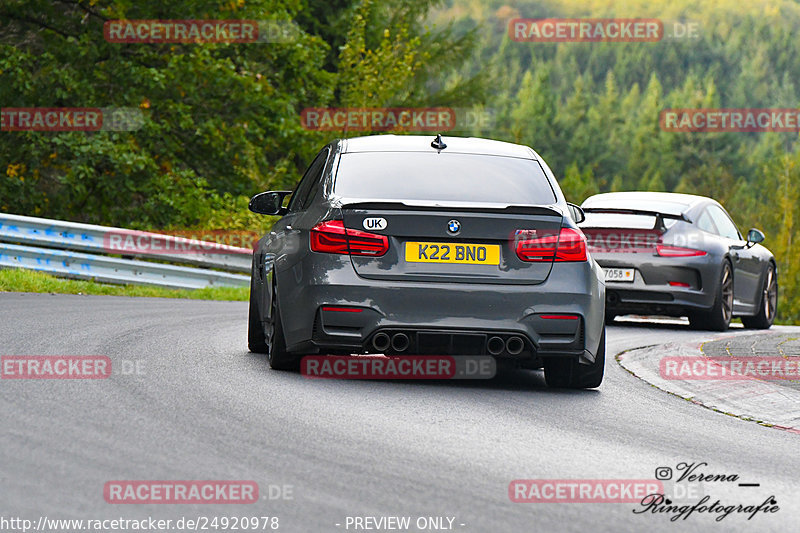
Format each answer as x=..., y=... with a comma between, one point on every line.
x=571, y=245
x=665, y=250
x=533, y=246
x=333, y=238
x=568, y=245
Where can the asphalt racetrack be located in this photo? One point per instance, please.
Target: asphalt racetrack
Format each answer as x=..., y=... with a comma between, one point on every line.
x=187, y=401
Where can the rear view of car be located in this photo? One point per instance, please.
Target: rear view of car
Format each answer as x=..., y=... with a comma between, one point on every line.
x=679, y=255
x=403, y=246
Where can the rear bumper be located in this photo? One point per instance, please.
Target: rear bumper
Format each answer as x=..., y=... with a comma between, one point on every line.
x=624, y=300
x=651, y=292
x=331, y=308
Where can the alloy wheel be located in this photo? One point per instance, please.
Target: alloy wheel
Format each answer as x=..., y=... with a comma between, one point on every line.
x=727, y=294
x=770, y=294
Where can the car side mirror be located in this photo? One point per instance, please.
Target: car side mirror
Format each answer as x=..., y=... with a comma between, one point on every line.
x=755, y=236
x=576, y=213
x=269, y=203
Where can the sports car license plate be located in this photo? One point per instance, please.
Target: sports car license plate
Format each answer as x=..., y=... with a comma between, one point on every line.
x=619, y=274
x=448, y=252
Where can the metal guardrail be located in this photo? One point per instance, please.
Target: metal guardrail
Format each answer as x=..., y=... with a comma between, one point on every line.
x=49, y=233
x=59, y=248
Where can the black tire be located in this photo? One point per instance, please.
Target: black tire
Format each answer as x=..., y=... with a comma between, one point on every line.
x=720, y=315
x=768, y=304
x=570, y=374
x=256, y=341
x=279, y=358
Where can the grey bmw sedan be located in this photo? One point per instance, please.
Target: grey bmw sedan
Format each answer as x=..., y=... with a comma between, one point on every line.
x=413, y=245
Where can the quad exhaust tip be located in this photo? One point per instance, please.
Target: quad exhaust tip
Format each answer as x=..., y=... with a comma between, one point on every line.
x=515, y=345
x=495, y=345
x=400, y=342
x=381, y=342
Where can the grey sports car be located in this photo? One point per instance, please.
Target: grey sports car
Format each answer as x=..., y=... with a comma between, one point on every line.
x=680, y=255
x=404, y=245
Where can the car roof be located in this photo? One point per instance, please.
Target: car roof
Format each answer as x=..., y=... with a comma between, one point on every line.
x=422, y=143
x=667, y=202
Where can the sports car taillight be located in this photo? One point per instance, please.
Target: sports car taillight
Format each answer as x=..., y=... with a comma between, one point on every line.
x=333, y=238
x=568, y=245
x=665, y=250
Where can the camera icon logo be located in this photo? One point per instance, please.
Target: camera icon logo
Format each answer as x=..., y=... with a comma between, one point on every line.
x=663, y=473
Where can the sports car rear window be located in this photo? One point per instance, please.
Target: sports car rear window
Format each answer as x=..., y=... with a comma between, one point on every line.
x=442, y=177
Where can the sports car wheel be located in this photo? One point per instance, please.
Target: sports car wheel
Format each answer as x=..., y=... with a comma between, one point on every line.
x=719, y=317
x=570, y=374
x=256, y=341
x=769, y=303
x=279, y=358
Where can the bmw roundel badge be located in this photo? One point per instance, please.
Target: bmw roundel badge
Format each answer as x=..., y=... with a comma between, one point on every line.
x=454, y=226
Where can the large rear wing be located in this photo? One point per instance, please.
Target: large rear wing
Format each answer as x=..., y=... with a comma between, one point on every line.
x=659, y=215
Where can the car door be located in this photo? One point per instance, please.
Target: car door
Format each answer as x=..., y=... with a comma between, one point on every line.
x=747, y=264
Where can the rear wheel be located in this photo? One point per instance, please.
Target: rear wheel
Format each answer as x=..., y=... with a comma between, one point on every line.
x=769, y=303
x=570, y=374
x=279, y=358
x=256, y=341
x=719, y=317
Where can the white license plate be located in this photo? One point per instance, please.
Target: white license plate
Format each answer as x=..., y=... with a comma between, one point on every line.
x=619, y=274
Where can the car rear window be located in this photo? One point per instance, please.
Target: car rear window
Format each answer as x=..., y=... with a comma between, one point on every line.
x=444, y=177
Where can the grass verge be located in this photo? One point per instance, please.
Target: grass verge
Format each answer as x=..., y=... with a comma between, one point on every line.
x=15, y=280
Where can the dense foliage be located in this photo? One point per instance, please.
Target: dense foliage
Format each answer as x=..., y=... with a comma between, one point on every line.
x=222, y=119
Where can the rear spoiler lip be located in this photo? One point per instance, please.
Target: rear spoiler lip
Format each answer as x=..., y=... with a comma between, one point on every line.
x=552, y=210
x=628, y=211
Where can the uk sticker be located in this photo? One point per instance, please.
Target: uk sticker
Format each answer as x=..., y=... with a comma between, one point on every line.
x=375, y=223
